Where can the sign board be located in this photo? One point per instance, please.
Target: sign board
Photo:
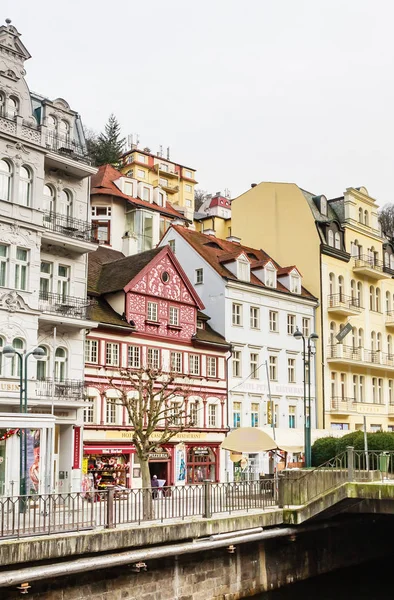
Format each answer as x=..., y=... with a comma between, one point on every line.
x=344, y=331
x=201, y=451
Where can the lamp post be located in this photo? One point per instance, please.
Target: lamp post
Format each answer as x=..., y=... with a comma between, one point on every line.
x=9, y=351
x=306, y=343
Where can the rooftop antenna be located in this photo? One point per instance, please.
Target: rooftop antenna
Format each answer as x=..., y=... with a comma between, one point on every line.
x=161, y=151
x=137, y=139
x=168, y=153
x=227, y=193
x=130, y=140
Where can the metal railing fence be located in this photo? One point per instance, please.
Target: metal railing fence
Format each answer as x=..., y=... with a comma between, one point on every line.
x=42, y=514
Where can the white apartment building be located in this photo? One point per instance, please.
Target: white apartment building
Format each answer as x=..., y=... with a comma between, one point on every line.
x=45, y=236
x=256, y=306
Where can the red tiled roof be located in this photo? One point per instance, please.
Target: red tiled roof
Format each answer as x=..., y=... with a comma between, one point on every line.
x=214, y=252
x=103, y=183
x=287, y=270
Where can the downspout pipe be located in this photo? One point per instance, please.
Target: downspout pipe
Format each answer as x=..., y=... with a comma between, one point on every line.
x=106, y=561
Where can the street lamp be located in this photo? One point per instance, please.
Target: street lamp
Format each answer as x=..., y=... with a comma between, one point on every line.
x=9, y=351
x=307, y=398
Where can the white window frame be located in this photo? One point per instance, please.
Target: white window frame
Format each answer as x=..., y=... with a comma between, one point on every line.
x=173, y=318
x=194, y=364
x=199, y=276
x=254, y=317
x=110, y=413
x=152, y=311
x=134, y=357
x=4, y=261
x=291, y=370
x=254, y=365
x=153, y=358
x=22, y=270
x=273, y=367
x=91, y=351
x=176, y=361
x=291, y=323
x=236, y=314
x=211, y=366
x=212, y=415
x=273, y=321
x=112, y=354
x=237, y=363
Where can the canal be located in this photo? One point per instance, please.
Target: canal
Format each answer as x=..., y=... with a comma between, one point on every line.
x=372, y=581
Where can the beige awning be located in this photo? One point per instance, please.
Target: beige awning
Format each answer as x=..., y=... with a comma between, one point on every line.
x=248, y=439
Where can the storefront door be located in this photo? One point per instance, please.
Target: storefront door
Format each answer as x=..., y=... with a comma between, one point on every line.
x=201, y=464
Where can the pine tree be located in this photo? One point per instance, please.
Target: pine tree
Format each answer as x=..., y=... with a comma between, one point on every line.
x=108, y=146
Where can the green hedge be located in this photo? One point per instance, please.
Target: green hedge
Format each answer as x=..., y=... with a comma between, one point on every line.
x=326, y=448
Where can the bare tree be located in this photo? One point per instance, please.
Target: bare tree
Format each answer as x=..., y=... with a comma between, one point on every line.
x=386, y=220
x=199, y=197
x=155, y=402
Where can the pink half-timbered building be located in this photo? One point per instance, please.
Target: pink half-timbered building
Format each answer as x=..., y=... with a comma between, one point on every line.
x=150, y=315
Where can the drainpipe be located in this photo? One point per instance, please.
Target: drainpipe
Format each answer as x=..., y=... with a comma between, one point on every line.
x=228, y=410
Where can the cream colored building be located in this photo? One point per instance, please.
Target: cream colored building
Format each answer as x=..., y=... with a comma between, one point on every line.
x=349, y=266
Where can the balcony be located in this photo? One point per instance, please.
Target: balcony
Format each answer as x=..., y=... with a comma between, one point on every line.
x=169, y=188
x=74, y=234
x=67, y=147
x=342, y=405
x=391, y=409
x=69, y=389
x=370, y=266
x=389, y=318
x=343, y=305
x=65, y=309
x=374, y=359
x=163, y=173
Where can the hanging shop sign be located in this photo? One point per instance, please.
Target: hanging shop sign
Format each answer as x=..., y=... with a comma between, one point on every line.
x=201, y=451
x=158, y=454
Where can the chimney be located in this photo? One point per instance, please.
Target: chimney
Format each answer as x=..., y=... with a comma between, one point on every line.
x=233, y=238
x=209, y=232
x=252, y=185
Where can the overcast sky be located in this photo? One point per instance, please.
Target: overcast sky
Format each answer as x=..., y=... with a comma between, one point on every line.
x=242, y=91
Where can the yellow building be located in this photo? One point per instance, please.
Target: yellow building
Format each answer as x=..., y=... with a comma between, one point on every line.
x=176, y=180
x=349, y=266
x=214, y=215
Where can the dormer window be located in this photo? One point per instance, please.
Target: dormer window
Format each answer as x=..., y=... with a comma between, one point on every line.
x=270, y=275
x=295, y=284
x=243, y=270
x=331, y=238
x=337, y=240
x=200, y=324
x=323, y=206
x=128, y=188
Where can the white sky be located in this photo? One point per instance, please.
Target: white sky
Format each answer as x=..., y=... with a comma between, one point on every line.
x=243, y=91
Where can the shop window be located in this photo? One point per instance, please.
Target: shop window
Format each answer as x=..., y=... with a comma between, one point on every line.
x=107, y=470
x=201, y=464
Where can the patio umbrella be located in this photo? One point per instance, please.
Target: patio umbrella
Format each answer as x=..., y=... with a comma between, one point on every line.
x=249, y=439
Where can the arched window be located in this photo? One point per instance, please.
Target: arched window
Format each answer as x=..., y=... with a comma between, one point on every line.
x=332, y=332
x=373, y=341
x=389, y=345
x=374, y=390
x=42, y=365
x=18, y=344
x=379, y=342
x=354, y=337
x=330, y=238
x=64, y=130
x=388, y=302
x=341, y=288
x=25, y=182
x=337, y=240
x=49, y=196
x=331, y=283
x=66, y=203
x=377, y=300
x=361, y=338
x=12, y=107
x=5, y=180
x=60, y=364
x=353, y=291
x=356, y=249
x=371, y=297
x=51, y=123
x=360, y=215
x=365, y=217
x=359, y=293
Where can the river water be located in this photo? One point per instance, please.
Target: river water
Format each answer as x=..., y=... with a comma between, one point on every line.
x=372, y=581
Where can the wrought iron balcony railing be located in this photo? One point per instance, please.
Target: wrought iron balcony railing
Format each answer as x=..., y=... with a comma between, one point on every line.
x=341, y=299
x=67, y=306
x=67, y=147
x=70, y=389
x=365, y=260
x=74, y=228
x=342, y=404
x=359, y=354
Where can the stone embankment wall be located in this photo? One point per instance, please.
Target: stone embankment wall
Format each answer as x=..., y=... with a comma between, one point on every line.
x=220, y=575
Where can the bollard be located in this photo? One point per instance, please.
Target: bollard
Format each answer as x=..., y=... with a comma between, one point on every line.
x=350, y=462
x=207, y=499
x=110, y=524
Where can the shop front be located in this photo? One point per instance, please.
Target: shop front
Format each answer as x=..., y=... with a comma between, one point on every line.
x=107, y=466
x=202, y=463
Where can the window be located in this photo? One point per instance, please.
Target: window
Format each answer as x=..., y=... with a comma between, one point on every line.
x=175, y=416
x=254, y=414
x=211, y=366
x=291, y=373
x=102, y=231
x=292, y=417
x=237, y=363
x=60, y=364
x=21, y=266
x=380, y=391
x=254, y=317
x=243, y=270
x=273, y=320
x=188, y=188
x=194, y=364
x=91, y=351
x=236, y=414
x=291, y=324
x=188, y=174
x=212, y=415
x=377, y=300
x=359, y=293
x=5, y=180
x=237, y=314
x=330, y=238
x=142, y=158
x=254, y=365
x=112, y=354
x=341, y=288
x=174, y=316
x=25, y=181
x=141, y=173
x=18, y=344
x=188, y=203
x=63, y=280
x=340, y=426
x=295, y=285
x=49, y=199
x=128, y=188
x=146, y=194
x=42, y=365
x=361, y=388
x=333, y=384
x=331, y=278
x=66, y=203
x=343, y=386
x=176, y=362
x=88, y=412
x=12, y=107
x=199, y=276
x=366, y=217
x=306, y=327
x=371, y=297
x=153, y=358
x=171, y=244
x=160, y=199
x=152, y=311
x=134, y=357
x=270, y=276
x=3, y=264
x=360, y=215
x=391, y=387
x=193, y=414
x=111, y=412
x=374, y=389
x=273, y=368
x=2, y=104
x=337, y=240
x=46, y=270
x=388, y=302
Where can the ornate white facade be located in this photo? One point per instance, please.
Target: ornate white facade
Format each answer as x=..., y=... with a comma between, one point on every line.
x=45, y=236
